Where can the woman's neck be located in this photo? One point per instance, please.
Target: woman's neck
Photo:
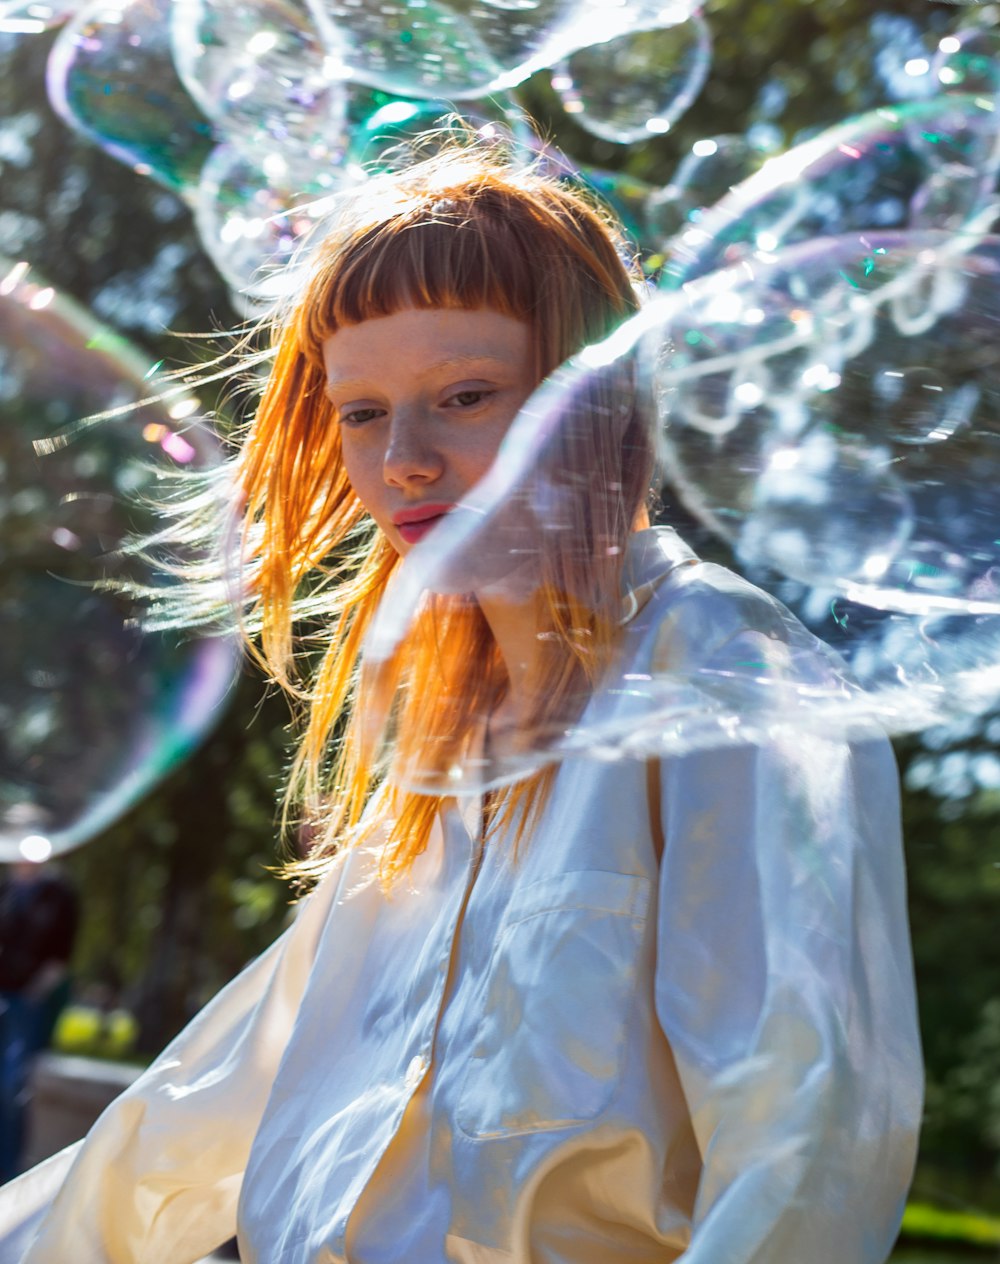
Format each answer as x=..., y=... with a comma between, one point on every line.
x=513, y=618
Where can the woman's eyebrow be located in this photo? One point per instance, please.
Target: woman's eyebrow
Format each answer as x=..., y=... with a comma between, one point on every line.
x=463, y=361
x=341, y=386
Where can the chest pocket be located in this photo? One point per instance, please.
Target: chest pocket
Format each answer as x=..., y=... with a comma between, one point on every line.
x=561, y=981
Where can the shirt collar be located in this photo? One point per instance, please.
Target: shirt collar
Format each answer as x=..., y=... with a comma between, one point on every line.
x=650, y=556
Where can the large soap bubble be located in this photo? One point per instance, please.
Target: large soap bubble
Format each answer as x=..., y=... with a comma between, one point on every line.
x=92, y=712
x=833, y=413
x=638, y=85
x=425, y=49
x=931, y=164
x=261, y=74
x=111, y=76
x=465, y=48
x=254, y=218
x=252, y=223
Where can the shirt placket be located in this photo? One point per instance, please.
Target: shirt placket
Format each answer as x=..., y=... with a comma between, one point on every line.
x=420, y=1061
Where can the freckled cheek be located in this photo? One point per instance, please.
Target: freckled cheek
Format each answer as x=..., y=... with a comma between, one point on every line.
x=365, y=477
x=481, y=455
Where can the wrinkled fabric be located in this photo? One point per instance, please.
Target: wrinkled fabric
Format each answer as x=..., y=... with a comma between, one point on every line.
x=591, y=1054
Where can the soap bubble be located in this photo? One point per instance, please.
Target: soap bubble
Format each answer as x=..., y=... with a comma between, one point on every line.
x=540, y=509
x=260, y=73
x=92, y=712
x=413, y=50
x=252, y=223
x=254, y=216
x=832, y=412
x=467, y=48
x=111, y=77
x=638, y=85
x=705, y=175
x=871, y=172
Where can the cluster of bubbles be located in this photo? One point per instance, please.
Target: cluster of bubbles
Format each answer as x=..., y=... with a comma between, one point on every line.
x=260, y=113
x=818, y=361
x=92, y=711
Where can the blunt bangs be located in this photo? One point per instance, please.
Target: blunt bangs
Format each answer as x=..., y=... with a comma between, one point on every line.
x=535, y=252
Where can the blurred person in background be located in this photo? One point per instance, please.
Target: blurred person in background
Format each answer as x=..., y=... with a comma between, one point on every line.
x=39, y=915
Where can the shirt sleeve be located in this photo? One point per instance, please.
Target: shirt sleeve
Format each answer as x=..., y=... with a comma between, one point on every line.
x=785, y=988
x=158, y=1177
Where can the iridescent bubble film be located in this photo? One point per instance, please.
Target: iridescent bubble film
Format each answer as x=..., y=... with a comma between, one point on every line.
x=92, y=712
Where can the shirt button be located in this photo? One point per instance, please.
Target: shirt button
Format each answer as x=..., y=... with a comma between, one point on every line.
x=416, y=1071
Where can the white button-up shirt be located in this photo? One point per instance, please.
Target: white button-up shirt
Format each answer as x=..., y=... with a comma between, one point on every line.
x=590, y=1054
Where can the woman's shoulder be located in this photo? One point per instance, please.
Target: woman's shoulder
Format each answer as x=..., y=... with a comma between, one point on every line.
x=693, y=616
x=673, y=593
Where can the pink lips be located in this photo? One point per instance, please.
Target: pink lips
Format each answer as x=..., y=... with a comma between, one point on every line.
x=413, y=524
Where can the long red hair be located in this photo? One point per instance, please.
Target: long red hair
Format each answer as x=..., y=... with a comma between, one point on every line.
x=465, y=230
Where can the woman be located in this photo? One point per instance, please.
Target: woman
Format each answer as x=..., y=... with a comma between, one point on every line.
x=614, y=1010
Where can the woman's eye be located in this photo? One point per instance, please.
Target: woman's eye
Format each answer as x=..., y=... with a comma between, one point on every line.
x=467, y=398
x=359, y=416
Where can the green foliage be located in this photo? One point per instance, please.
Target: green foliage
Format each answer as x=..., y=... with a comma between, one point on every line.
x=921, y=1220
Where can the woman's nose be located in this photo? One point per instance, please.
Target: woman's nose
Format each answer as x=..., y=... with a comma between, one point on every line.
x=411, y=455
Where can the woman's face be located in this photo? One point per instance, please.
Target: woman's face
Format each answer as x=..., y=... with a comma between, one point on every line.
x=423, y=399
